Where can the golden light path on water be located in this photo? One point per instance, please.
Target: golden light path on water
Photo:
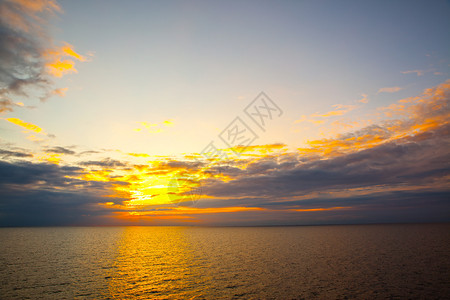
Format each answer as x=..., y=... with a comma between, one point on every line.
x=154, y=261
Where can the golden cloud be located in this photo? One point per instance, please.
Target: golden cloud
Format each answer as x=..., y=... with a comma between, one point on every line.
x=58, y=63
x=26, y=125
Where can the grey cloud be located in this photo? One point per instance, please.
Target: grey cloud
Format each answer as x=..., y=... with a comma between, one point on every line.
x=22, y=40
x=45, y=194
x=8, y=153
x=60, y=150
x=420, y=160
x=106, y=163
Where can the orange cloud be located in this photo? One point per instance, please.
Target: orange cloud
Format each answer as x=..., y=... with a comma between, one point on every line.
x=38, y=5
x=59, y=68
x=180, y=210
x=58, y=63
x=22, y=14
x=60, y=92
x=364, y=98
x=67, y=49
x=418, y=114
x=317, y=118
x=188, y=213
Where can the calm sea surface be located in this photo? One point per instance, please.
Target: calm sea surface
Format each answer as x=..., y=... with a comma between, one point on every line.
x=321, y=262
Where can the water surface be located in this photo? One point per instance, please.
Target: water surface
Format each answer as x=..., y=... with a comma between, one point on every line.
x=334, y=262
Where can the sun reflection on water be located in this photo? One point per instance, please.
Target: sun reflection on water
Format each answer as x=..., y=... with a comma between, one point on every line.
x=153, y=262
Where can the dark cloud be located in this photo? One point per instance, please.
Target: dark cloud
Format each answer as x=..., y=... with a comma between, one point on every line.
x=38, y=174
x=46, y=194
x=49, y=208
x=388, y=207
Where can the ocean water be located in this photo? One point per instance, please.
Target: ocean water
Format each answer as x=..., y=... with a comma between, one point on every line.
x=305, y=262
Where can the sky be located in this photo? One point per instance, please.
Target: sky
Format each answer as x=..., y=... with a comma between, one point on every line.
x=240, y=113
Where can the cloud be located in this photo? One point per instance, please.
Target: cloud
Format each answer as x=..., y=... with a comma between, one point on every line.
x=423, y=113
x=28, y=56
x=319, y=118
x=60, y=92
x=390, y=89
x=395, y=170
x=154, y=127
x=60, y=150
x=67, y=50
x=26, y=125
x=364, y=98
x=400, y=165
x=168, y=123
x=107, y=163
x=6, y=105
x=139, y=154
x=46, y=194
x=405, y=163
x=34, y=132
x=8, y=153
x=417, y=72
x=87, y=152
x=57, y=62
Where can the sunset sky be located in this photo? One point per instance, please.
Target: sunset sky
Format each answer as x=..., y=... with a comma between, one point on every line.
x=124, y=112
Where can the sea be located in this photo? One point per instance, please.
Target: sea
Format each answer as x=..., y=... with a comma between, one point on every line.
x=402, y=261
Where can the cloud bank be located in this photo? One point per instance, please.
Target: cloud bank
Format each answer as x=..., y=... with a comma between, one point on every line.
x=397, y=170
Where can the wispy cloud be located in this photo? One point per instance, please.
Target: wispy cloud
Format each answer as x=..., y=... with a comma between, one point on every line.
x=417, y=72
x=392, y=89
x=109, y=163
x=364, y=98
x=153, y=127
x=168, y=123
x=60, y=150
x=319, y=118
x=26, y=125
x=34, y=132
x=13, y=153
x=60, y=92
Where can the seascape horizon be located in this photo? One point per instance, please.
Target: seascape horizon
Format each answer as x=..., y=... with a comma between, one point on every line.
x=208, y=149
